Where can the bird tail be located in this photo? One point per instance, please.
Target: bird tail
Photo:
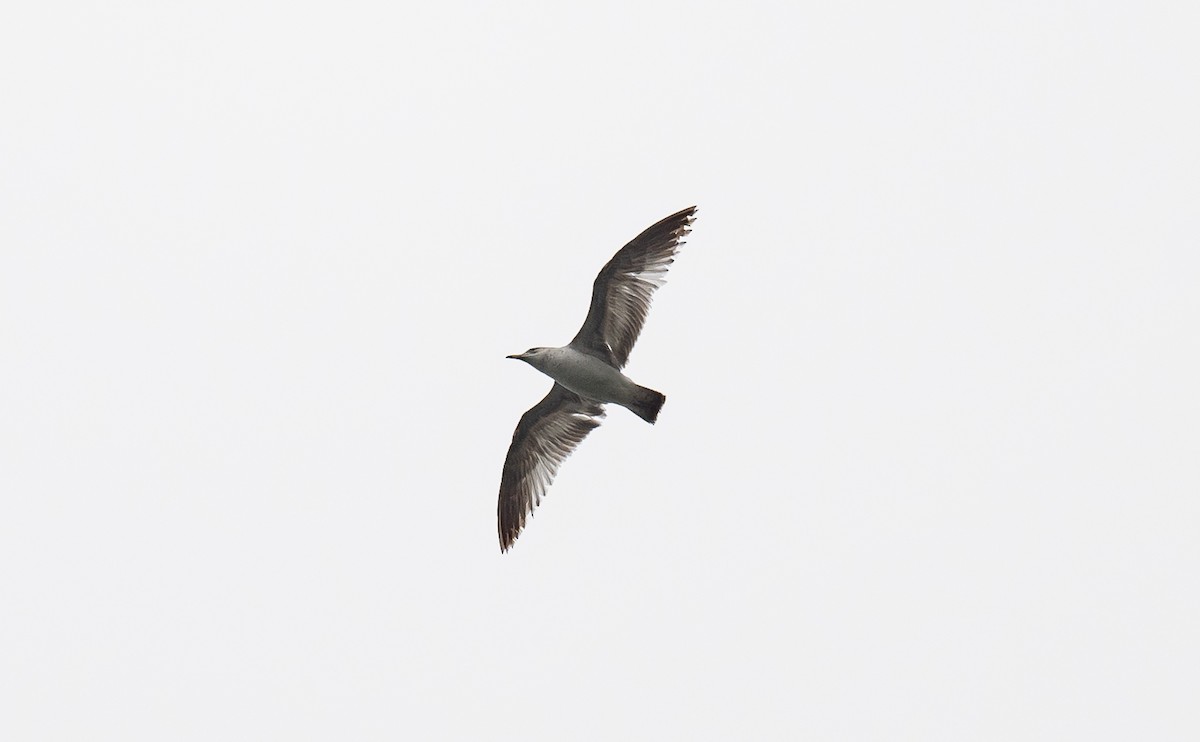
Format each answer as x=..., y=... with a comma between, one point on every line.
x=647, y=403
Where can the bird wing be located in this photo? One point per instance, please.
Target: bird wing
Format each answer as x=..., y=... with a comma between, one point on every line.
x=621, y=292
x=547, y=434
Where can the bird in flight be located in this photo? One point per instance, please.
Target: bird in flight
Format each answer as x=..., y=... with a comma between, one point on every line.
x=587, y=372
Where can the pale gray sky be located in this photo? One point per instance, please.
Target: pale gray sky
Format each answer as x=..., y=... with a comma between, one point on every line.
x=929, y=463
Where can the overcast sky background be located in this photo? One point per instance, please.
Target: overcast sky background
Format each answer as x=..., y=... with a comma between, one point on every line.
x=930, y=460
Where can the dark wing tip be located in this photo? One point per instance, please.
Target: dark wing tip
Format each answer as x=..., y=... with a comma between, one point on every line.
x=680, y=221
x=669, y=232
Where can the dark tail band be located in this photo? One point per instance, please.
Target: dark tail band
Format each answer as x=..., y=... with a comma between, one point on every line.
x=647, y=404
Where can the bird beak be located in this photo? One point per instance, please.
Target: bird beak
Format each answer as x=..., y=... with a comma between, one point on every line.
x=517, y=356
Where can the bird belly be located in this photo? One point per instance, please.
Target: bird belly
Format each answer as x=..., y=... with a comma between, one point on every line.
x=590, y=377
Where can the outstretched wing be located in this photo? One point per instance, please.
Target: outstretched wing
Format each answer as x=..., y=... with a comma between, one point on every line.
x=621, y=292
x=547, y=434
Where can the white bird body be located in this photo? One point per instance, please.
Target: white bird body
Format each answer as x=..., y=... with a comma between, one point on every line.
x=584, y=374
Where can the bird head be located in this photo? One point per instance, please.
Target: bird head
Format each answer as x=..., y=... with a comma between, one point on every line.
x=527, y=355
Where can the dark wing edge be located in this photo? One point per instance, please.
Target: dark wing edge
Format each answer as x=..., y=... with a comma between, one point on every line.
x=622, y=290
x=547, y=434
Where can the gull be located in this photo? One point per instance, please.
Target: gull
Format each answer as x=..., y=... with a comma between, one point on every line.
x=587, y=372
